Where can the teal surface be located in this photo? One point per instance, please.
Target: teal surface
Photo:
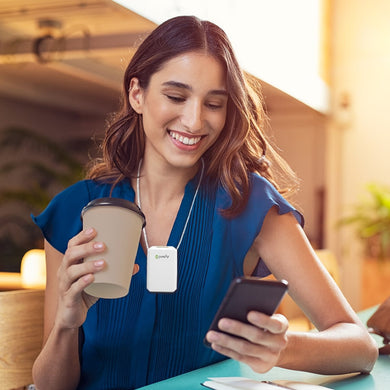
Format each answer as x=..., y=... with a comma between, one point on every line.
x=379, y=379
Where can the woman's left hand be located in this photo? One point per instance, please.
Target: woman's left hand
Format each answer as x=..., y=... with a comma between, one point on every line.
x=259, y=344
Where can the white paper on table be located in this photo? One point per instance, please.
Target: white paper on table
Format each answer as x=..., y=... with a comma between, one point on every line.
x=241, y=383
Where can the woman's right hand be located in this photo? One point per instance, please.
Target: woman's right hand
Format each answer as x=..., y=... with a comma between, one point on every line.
x=74, y=275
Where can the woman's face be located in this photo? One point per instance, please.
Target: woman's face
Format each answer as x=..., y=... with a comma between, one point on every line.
x=183, y=108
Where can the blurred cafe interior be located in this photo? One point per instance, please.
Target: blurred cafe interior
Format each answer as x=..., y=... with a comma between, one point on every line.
x=324, y=67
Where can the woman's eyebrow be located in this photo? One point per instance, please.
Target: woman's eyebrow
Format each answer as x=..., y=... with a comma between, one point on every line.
x=178, y=84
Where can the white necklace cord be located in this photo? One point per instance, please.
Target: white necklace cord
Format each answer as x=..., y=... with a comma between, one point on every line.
x=189, y=213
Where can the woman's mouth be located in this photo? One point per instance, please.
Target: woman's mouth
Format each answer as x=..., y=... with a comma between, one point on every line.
x=184, y=139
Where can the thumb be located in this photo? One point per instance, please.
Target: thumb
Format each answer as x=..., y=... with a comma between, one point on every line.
x=135, y=269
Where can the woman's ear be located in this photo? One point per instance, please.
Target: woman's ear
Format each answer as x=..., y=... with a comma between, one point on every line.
x=136, y=95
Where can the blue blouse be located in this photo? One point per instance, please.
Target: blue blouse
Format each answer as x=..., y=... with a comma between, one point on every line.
x=146, y=337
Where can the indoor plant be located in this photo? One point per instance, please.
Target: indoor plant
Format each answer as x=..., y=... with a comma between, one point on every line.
x=371, y=220
x=33, y=168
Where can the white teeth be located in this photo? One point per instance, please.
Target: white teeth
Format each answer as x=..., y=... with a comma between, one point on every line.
x=184, y=140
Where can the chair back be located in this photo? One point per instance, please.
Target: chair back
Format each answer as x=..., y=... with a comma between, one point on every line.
x=21, y=333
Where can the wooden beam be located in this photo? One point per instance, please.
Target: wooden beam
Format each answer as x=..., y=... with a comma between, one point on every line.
x=48, y=48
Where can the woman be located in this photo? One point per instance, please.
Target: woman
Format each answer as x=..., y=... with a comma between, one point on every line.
x=189, y=147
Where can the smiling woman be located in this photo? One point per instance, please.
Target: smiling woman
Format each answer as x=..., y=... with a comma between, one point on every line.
x=189, y=146
x=184, y=102
x=245, y=122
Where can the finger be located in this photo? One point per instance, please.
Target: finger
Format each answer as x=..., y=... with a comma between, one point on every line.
x=77, y=271
x=75, y=254
x=254, y=334
x=239, y=345
x=74, y=293
x=260, y=364
x=257, y=336
x=276, y=324
x=135, y=269
x=68, y=273
x=246, y=331
x=256, y=356
x=84, y=236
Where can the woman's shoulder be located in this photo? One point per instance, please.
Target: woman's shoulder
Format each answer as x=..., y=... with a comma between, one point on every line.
x=262, y=196
x=74, y=190
x=89, y=189
x=83, y=186
x=73, y=198
x=260, y=188
x=61, y=219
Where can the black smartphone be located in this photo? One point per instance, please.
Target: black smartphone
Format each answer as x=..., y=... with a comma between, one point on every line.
x=246, y=294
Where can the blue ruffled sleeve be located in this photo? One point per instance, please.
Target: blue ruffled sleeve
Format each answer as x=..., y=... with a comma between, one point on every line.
x=61, y=220
x=247, y=226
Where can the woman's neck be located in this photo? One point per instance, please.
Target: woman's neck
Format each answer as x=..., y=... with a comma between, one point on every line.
x=162, y=184
x=159, y=193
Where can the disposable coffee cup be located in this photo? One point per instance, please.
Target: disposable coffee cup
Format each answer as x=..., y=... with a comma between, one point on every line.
x=118, y=223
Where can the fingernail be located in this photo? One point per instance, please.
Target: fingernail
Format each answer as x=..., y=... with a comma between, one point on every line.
x=98, y=263
x=89, y=231
x=98, y=245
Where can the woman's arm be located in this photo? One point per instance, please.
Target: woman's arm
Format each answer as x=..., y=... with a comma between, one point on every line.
x=66, y=305
x=341, y=344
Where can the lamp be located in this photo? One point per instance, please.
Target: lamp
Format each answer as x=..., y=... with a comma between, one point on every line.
x=33, y=269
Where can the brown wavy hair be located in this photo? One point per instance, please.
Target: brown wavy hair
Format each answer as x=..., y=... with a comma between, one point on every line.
x=242, y=146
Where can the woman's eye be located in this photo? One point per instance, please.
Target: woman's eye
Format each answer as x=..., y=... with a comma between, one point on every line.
x=214, y=106
x=176, y=99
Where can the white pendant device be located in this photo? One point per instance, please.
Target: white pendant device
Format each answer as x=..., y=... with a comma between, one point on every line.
x=161, y=264
x=161, y=267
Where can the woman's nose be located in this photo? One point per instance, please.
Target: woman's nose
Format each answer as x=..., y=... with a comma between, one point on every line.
x=192, y=116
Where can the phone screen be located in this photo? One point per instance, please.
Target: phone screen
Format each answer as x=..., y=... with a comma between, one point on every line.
x=246, y=294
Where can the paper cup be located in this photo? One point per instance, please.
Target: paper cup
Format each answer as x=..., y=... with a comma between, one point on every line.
x=118, y=223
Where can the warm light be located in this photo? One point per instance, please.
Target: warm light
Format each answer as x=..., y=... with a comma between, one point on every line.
x=33, y=269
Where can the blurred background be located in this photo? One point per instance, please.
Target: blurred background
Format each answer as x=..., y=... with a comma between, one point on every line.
x=325, y=71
